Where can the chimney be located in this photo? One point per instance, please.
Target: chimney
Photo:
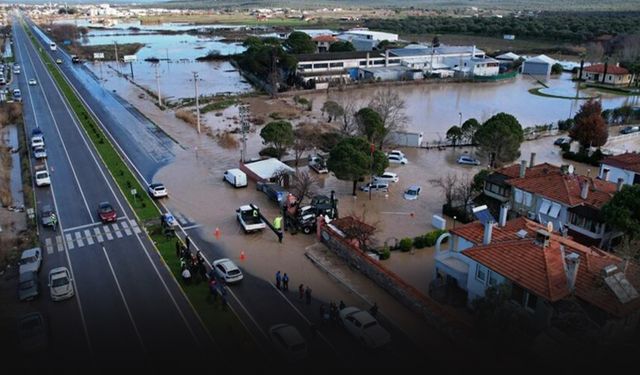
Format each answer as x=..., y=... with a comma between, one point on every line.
x=605, y=174
x=620, y=184
x=584, y=192
x=504, y=210
x=542, y=238
x=532, y=161
x=488, y=231
x=571, y=264
x=523, y=168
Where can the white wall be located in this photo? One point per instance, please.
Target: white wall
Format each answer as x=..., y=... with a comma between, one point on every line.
x=476, y=287
x=615, y=173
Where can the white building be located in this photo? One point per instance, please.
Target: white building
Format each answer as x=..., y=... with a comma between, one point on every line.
x=365, y=33
x=538, y=66
x=625, y=166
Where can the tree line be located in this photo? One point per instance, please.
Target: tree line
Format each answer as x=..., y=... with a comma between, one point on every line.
x=558, y=26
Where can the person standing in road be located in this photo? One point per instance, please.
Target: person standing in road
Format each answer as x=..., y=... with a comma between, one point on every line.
x=188, y=241
x=307, y=293
x=342, y=305
x=300, y=292
x=278, y=280
x=285, y=282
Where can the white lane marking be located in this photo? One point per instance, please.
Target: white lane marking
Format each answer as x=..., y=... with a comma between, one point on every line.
x=116, y=230
x=127, y=231
x=124, y=300
x=59, y=244
x=70, y=244
x=98, y=235
x=79, y=239
x=81, y=227
x=118, y=234
x=49, y=245
x=180, y=218
x=194, y=226
x=88, y=236
x=107, y=233
x=136, y=228
x=64, y=147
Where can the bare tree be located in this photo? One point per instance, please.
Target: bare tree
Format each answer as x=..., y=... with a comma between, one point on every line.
x=348, y=124
x=356, y=228
x=449, y=185
x=281, y=176
x=465, y=190
x=390, y=106
x=306, y=137
x=304, y=185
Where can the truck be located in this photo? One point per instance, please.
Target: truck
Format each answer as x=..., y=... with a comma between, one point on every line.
x=318, y=164
x=274, y=191
x=304, y=218
x=249, y=218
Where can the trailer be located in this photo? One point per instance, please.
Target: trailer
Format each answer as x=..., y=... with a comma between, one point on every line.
x=406, y=138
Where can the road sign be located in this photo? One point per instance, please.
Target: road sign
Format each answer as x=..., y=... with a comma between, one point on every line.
x=130, y=58
x=134, y=192
x=98, y=55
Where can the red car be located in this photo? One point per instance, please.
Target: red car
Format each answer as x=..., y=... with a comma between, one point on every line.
x=106, y=212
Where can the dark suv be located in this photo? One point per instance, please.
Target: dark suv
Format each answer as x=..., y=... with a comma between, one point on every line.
x=275, y=192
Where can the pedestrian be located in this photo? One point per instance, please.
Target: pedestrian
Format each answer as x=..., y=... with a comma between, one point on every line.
x=213, y=289
x=342, y=305
x=285, y=282
x=278, y=279
x=333, y=311
x=307, y=293
x=186, y=275
x=188, y=241
x=300, y=291
x=178, y=248
x=203, y=271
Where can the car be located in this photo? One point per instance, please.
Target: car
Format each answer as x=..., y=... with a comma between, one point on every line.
x=396, y=159
x=158, y=190
x=28, y=286
x=468, y=160
x=396, y=153
x=412, y=192
x=36, y=132
x=630, y=129
x=37, y=141
x=386, y=177
x=30, y=260
x=58, y=61
x=106, y=212
x=17, y=95
x=60, y=284
x=227, y=270
x=288, y=342
x=42, y=176
x=317, y=163
x=362, y=325
x=32, y=82
x=275, y=192
x=39, y=153
x=562, y=141
x=375, y=186
x=32, y=332
x=47, y=216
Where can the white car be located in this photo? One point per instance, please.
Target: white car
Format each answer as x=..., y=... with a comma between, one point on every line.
x=30, y=260
x=375, y=186
x=58, y=61
x=396, y=153
x=227, y=270
x=386, y=177
x=39, y=153
x=37, y=141
x=396, y=159
x=158, y=190
x=468, y=160
x=32, y=82
x=60, y=285
x=42, y=178
x=288, y=342
x=412, y=192
x=364, y=327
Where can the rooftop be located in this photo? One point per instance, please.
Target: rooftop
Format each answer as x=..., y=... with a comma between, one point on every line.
x=611, y=69
x=629, y=161
x=268, y=168
x=421, y=50
x=473, y=232
x=332, y=56
x=325, y=38
x=542, y=59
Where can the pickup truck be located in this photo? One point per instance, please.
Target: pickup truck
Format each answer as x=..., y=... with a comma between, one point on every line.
x=249, y=218
x=318, y=164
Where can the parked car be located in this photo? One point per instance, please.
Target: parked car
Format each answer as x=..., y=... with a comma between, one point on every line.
x=249, y=218
x=28, y=286
x=75, y=59
x=630, y=129
x=275, y=192
x=58, y=61
x=32, y=82
x=37, y=141
x=106, y=212
x=39, y=153
x=318, y=164
x=17, y=95
x=235, y=177
x=60, y=285
x=227, y=270
x=562, y=140
x=468, y=160
x=364, y=327
x=30, y=260
x=412, y=192
x=386, y=177
x=396, y=159
x=32, y=332
x=288, y=342
x=396, y=153
x=375, y=186
x=47, y=216
x=157, y=190
x=42, y=176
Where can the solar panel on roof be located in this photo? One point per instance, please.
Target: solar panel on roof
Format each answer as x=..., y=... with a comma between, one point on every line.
x=483, y=215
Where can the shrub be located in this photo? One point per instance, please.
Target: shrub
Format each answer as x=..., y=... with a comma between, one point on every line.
x=418, y=242
x=406, y=244
x=583, y=157
x=270, y=152
x=385, y=253
x=565, y=147
x=431, y=237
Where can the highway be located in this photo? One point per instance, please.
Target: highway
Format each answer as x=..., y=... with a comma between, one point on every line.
x=127, y=306
x=127, y=300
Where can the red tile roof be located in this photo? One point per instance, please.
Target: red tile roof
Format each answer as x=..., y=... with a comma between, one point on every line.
x=611, y=69
x=629, y=161
x=474, y=232
x=325, y=38
x=565, y=188
x=513, y=171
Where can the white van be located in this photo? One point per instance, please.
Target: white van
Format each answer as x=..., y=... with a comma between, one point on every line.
x=235, y=177
x=17, y=95
x=53, y=46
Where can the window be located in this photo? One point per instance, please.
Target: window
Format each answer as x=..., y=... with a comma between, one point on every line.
x=481, y=273
x=517, y=195
x=337, y=65
x=305, y=66
x=320, y=66
x=544, y=207
x=363, y=63
x=493, y=278
x=555, y=210
x=527, y=199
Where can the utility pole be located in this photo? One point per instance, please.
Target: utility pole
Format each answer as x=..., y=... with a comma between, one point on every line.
x=372, y=146
x=244, y=126
x=115, y=45
x=158, y=86
x=195, y=81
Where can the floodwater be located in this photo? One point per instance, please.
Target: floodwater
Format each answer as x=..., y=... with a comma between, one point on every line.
x=434, y=108
x=123, y=26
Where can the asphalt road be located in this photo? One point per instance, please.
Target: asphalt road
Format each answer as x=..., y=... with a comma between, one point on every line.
x=127, y=307
x=257, y=302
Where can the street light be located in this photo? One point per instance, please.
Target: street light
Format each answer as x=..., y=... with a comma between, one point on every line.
x=460, y=121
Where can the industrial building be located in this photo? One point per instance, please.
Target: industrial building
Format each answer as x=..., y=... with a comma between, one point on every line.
x=538, y=66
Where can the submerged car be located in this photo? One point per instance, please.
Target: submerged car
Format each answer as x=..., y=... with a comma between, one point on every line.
x=468, y=160
x=386, y=177
x=28, y=287
x=397, y=159
x=288, y=342
x=412, y=192
x=375, y=186
x=158, y=190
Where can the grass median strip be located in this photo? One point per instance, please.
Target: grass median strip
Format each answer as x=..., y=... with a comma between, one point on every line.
x=220, y=322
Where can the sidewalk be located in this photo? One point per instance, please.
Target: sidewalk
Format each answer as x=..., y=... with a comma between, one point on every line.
x=428, y=338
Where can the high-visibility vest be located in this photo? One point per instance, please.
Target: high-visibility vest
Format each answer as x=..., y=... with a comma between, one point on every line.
x=277, y=222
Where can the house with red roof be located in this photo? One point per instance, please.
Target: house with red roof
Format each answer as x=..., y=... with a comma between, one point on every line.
x=609, y=75
x=323, y=42
x=539, y=269
x=624, y=166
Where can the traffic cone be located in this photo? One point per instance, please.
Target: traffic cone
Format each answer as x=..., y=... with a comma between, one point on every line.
x=217, y=233
x=242, y=256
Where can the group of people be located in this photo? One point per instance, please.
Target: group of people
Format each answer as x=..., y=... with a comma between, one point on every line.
x=333, y=312
x=192, y=266
x=282, y=281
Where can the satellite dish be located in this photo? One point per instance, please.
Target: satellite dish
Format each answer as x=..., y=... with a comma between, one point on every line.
x=571, y=169
x=550, y=227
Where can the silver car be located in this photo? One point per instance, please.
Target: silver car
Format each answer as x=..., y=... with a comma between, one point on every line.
x=412, y=192
x=30, y=260
x=28, y=287
x=288, y=342
x=60, y=285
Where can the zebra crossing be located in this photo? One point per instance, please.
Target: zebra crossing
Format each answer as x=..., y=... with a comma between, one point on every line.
x=79, y=237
